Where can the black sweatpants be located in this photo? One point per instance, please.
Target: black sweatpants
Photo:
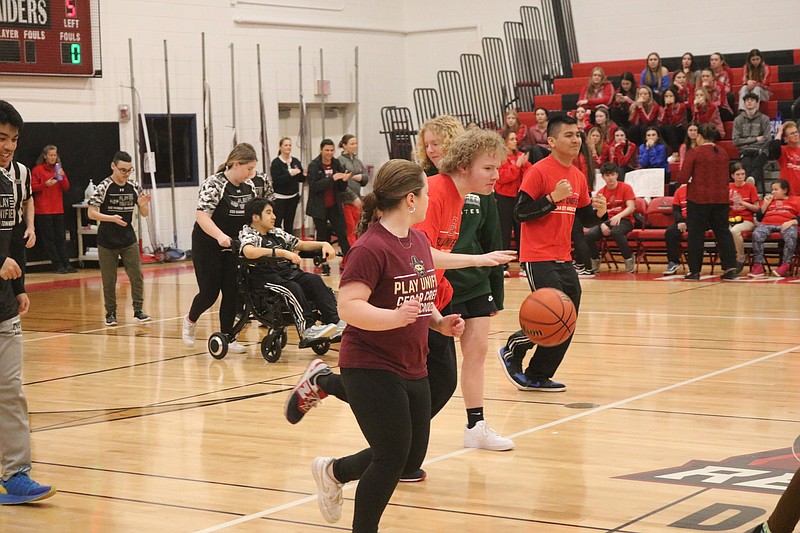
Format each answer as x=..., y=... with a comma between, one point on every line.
x=336, y=219
x=394, y=415
x=285, y=210
x=215, y=270
x=301, y=287
x=546, y=359
x=505, y=208
x=619, y=233
x=50, y=229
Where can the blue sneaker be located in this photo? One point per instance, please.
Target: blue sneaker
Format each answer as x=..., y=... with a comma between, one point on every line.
x=545, y=385
x=512, y=369
x=20, y=488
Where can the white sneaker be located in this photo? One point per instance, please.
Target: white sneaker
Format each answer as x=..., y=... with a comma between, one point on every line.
x=596, y=265
x=329, y=491
x=630, y=265
x=339, y=329
x=482, y=436
x=323, y=331
x=188, y=331
x=235, y=347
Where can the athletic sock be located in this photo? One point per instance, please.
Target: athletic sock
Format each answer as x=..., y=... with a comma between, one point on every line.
x=474, y=416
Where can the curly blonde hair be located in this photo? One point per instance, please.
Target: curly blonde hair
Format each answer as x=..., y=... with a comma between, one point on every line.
x=445, y=128
x=469, y=146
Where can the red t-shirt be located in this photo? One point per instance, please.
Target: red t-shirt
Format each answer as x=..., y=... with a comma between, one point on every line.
x=441, y=225
x=789, y=163
x=617, y=200
x=680, y=199
x=780, y=211
x=748, y=193
x=395, y=270
x=330, y=199
x=548, y=238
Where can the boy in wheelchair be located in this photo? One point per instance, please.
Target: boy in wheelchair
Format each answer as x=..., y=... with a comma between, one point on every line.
x=261, y=239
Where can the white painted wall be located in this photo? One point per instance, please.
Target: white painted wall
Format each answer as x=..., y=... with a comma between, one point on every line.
x=401, y=44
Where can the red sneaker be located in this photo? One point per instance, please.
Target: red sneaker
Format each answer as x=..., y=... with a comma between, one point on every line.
x=306, y=394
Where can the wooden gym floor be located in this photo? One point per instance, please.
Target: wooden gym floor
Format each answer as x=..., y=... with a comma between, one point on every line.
x=682, y=412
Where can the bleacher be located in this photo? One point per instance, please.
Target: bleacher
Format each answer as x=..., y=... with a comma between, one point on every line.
x=785, y=86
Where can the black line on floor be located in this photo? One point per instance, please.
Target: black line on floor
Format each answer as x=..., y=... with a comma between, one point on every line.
x=655, y=511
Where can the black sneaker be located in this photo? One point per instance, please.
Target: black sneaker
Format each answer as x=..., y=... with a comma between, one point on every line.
x=141, y=316
x=111, y=319
x=760, y=528
x=692, y=276
x=731, y=273
x=69, y=268
x=413, y=477
x=545, y=385
x=512, y=369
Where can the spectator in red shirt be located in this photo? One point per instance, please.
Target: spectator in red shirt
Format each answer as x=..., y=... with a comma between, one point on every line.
x=684, y=91
x=785, y=148
x=706, y=112
x=706, y=171
x=744, y=203
x=644, y=113
x=537, y=136
x=717, y=94
x=779, y=213
x=49, y=182
x=688, y=143
x=599, y=91
x=512, y=123
x=672, y=120
x=603, y=122
x=623, y=153
x=506, y=189
x=722, y=71
x=594, y=142
x=621, y=202
x=755, y=78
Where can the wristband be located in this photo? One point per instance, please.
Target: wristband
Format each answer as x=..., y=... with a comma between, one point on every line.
x=274, y=252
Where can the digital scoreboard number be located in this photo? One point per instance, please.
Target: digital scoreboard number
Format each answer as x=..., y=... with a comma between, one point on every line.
x=47, y=37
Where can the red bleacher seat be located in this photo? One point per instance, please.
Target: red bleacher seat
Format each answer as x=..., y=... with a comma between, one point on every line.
x=728, y=129
x=733, y=152
x=528, y=118
x=612, y=68
x=570, y=85
x=658, y=217
x=608, y=246
x=551, y=102
x=779, y=91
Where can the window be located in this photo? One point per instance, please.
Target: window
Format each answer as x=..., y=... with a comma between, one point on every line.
x=184, y=149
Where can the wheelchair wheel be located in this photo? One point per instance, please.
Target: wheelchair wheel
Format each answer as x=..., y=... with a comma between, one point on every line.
x=321, y=348
x=271, y=347
x=284, y=338
x=218, y=345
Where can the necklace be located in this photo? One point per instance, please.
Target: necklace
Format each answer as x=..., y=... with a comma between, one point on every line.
x=410, y=242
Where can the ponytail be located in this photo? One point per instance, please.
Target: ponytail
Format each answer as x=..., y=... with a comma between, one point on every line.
x=368, y=213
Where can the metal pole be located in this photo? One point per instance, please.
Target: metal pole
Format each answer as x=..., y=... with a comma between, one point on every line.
x=322, y=89
x=264, y=141
x=303, y=141
x=205, y=95
x=169, y=149
x=135, y=116
x=233, y=96
x=357, y=102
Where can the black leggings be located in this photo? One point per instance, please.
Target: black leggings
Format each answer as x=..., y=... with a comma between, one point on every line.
x=336, y=218
x=215, y=270
x=285, y=210
x=394, y=415
x=505, y=208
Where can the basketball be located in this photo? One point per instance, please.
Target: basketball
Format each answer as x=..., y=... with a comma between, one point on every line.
x=547, y=317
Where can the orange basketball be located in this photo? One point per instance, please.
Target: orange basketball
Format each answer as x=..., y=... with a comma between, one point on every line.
x=547, y=317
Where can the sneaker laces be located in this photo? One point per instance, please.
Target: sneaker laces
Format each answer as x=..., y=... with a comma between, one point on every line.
x=311, y=400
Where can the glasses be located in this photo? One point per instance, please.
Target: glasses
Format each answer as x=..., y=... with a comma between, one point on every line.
x=793, y=132
x=125, y=171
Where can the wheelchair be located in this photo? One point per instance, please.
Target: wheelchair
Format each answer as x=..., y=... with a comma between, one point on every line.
x=271, y=310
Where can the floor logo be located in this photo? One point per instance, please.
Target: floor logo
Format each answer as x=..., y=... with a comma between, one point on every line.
x=768, y=472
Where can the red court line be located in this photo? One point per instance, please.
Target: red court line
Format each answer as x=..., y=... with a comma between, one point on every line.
x=87, y=280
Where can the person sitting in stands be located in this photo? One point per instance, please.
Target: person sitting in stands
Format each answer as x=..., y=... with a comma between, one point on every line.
x=744, y=203
x=512, y=123
x=644, y=113
x=786, y=150
x=621, y=202
x=599, y=91
x=751, y=135
x=622, y=153
x=653, y=153
x=689, y=143
x=778, y=212
x=689, y=68
x=603, y=122
x=672, y=120
x=676, y=232
x=755, y=78
x=594, y=142
x=537, y=136
x=706, y=112
x=684, y=91
x=655, y=76
x=717, y=94
x=623, y=98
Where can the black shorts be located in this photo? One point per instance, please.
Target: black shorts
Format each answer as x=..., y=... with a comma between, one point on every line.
x=476, y=308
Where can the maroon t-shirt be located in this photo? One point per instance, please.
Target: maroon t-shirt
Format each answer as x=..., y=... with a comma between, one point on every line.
x=330, y=199
x=396, y=270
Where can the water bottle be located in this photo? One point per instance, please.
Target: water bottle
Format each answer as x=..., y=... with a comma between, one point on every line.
x=89, y=192
x=737, y=201
x=58, y=176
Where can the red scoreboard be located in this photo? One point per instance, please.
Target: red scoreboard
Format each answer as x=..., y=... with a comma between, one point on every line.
x=49, y=37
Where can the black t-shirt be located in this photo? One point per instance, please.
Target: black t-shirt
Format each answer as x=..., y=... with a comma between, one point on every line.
x=112, y=199
x=262, y=186
x=276, y=239
x=225, y=202
x=9, y=206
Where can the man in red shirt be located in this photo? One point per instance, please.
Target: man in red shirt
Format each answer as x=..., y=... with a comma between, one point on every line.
x=553, y=193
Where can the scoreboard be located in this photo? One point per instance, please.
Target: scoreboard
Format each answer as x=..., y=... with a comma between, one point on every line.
x=49, y=37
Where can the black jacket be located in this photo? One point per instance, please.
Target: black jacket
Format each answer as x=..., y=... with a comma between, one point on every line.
x=318, y=184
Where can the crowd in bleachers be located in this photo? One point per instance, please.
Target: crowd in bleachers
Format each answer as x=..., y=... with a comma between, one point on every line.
x=651, y=121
